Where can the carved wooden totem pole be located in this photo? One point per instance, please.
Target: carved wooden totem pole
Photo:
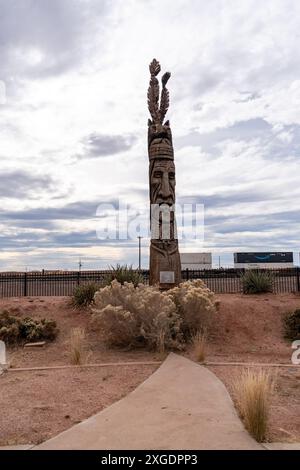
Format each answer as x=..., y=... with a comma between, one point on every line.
x=165, y=266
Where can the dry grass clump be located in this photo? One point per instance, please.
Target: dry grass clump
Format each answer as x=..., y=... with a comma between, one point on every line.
x=77, y=346
x=131, y=316
x=199, y=342
x=253, y=391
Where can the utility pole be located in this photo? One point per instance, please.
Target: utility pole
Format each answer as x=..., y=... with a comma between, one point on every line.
x=140, y=252
x=80, y=264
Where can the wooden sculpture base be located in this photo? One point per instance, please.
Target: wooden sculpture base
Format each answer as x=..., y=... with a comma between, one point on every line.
x=165, y=266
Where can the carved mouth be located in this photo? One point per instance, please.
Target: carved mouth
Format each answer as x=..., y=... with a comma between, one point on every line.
x=168, y=201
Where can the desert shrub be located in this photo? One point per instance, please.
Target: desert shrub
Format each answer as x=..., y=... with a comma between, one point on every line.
x=253, y=391
x=9, y=327
x=17, y=330
x=35, y=330
x=257, y=282
x=83, y=295
x=292, y=325
x=124, y=274
x=76, y=344
x=130, y=316
x=195, y=304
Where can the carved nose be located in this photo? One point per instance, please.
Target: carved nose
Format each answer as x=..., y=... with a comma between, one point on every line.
x=165, y=191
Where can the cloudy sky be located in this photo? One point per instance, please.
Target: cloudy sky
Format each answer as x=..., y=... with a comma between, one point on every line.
x=74, y=123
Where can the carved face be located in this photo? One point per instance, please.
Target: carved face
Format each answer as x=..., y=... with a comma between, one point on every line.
x=162, y=182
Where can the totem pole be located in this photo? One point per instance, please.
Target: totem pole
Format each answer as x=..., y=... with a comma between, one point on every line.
x=165, y=266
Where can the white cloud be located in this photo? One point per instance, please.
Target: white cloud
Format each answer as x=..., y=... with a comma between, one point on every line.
x=73, y=70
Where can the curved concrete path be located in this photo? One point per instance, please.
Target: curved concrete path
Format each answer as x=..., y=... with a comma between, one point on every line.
x=181, y=406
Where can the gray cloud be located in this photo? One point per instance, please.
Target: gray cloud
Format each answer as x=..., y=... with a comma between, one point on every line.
x=242, y=130
x=56, y=29
x=228, y=199
x=26, y=240
x=100, y=145
x=18, y=183
x=75, y=210
x=273, y=147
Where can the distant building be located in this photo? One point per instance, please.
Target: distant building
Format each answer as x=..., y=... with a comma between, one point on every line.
x=264, y=260
x=196, y=260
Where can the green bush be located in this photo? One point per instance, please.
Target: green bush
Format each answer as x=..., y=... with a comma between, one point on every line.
x=18, y=330
x=292, y=325
x=257, y=282
x=83, y=295
x=124, y=274
x=35, y=330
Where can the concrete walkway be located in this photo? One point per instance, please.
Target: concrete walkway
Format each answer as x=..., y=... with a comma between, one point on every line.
x=282, y=445
x=181, y=406
x=17, y=447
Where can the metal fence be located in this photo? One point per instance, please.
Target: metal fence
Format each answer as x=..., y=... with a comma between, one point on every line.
x=221, y=281
x=227, y=281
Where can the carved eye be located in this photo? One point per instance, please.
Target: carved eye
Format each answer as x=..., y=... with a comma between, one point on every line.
x=157, y=174
x=172, y=176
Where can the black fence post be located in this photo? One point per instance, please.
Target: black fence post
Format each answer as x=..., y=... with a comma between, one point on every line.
x=187, y=274
x=25, y=285
x=78, y=278
x=298, y=279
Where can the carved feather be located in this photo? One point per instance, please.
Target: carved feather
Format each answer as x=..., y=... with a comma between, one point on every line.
x=153, y=98
x=165, y=97
x=165, y=78
x=164, y=103
x=157, y=111
x=154, y=68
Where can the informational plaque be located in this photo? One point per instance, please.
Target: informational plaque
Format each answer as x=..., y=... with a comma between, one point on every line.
x=167, y=277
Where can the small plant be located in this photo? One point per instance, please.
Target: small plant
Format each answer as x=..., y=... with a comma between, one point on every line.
x=124, y=274
x=292, y=325
x=17, y=330
x=77, y=352
x=253, y=392
x=199, y=345
x=257, y=282
x=83, y=295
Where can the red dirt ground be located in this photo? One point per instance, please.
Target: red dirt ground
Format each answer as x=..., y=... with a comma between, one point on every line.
x=40, y=404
